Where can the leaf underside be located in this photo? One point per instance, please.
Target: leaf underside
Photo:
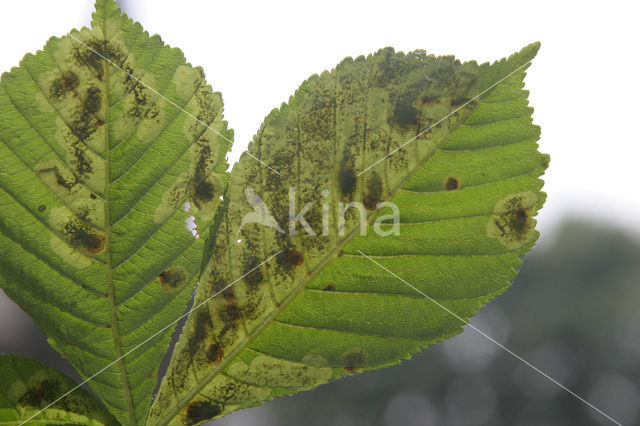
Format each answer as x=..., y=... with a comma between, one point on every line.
x=95, y=168
x=30, y=387
x=467, y=191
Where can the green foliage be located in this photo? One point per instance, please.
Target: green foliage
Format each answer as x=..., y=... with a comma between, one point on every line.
x=29, y=387
x=95, y=170
x=98, y=158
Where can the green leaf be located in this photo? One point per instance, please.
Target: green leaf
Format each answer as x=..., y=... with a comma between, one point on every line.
x=29, y=387
x=467, y=190
x=97, y=159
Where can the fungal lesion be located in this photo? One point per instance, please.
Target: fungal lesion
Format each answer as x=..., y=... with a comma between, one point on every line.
x=173, y=279
x=42, y=388
x=206, y=197
x=354, y=360
x=290, y=259
x=375, y=191
x=74, y=239
x=253, y=273
x=451, y=183
x=76, y=96
x=63, y=85
x=329, y=287
x=512, y=223
x=200, y=184
x=215, y=353
x=200, y=411
x=266, y=371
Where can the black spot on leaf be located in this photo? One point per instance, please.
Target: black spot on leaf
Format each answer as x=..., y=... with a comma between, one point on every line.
x=41, y=207
x=200, y=411
x=201, y=327
x=407, y=115
x=233, y=312
x=92, y=56
x=93, y=100
x=346, y=179
x=513, y=223
x=329, y=287
x=46, y=392
x=60, y=180
x=205, y=191
x=63, y=84
x=253, y=271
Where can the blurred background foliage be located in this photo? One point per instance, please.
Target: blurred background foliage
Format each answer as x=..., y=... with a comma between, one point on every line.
x=574, y=312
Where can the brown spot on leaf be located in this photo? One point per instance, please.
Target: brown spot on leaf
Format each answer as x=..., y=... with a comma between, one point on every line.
x=173, y=278
x=41, y=207
x=215, y=353
x=451, y=183
x=81, y=235
x=141, y=98
x=512, y=223
x=329, y=287
x=228, y=295
x=369, y=202
x=354, y=359
x=289, y=259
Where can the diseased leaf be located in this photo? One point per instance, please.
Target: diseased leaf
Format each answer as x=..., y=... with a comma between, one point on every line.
x=467, y=191
x=28, y=387
x=95, y=167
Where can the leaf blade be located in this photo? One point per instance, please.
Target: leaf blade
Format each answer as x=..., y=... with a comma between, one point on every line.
x=32, y=387
x=105, y=134
x=323, y=310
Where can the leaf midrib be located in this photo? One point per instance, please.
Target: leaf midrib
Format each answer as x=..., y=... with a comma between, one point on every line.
x=107, y=227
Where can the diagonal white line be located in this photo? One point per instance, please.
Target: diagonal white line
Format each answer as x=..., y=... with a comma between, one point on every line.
x=173, y=103
x=518, y=357
x=154, y=335
x=446, y=116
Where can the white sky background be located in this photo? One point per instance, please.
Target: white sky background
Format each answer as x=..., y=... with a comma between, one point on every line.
x=584, y=83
